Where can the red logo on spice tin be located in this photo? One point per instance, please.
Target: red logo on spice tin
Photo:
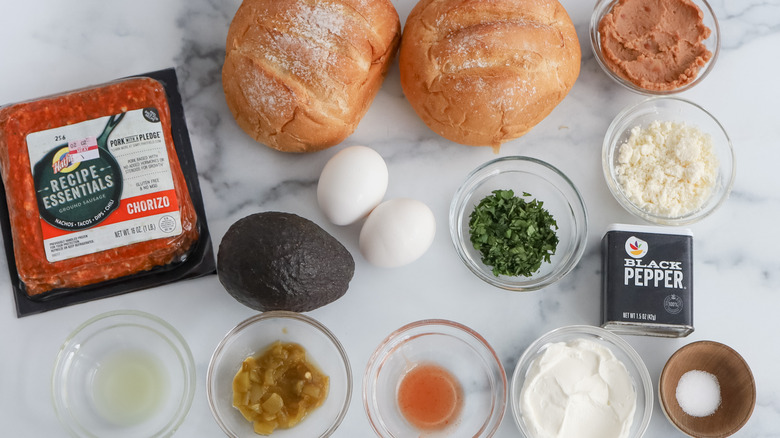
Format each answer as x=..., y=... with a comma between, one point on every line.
x=636, y=248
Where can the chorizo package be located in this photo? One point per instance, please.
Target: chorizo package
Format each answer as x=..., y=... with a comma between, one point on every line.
x=101, y=193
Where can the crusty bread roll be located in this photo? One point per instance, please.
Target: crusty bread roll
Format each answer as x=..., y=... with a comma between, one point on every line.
x=482, y=72
x=300, y=74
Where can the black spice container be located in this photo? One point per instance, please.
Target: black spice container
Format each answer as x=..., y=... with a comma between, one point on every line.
x=647, y=281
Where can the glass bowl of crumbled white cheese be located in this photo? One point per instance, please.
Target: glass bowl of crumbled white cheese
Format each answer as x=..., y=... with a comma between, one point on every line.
x=668, y=161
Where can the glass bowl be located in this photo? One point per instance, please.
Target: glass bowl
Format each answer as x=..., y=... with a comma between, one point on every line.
x=462, y=352
x=251, y=337
x=737, y=389
x=545, y=183
x=675, y=110
x=712, y=43
x=123, y=374
x=640, y=377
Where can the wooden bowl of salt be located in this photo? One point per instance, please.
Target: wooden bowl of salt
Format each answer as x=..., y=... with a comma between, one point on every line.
x=707, y=390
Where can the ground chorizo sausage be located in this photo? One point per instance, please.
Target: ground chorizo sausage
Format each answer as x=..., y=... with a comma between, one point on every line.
x=54, y=247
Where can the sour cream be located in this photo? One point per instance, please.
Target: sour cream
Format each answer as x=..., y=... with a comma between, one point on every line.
x=578, y=389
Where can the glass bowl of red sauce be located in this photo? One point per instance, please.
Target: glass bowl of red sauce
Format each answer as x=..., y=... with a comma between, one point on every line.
x=434, y=378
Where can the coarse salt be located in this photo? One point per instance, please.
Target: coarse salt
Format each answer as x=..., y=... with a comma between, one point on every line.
x=698, y=393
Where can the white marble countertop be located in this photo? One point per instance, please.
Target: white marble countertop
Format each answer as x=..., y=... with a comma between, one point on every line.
x=50, y=46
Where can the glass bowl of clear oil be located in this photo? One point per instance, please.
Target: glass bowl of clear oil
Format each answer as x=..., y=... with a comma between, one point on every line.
x=123, y=374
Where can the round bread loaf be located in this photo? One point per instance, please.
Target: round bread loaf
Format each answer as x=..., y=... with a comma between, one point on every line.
x=300, y=74
x=482, y=72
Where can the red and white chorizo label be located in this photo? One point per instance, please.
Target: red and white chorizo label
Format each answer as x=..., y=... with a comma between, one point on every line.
x=103, y=183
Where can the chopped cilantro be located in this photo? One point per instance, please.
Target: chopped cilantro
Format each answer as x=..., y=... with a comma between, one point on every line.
x=513, y=236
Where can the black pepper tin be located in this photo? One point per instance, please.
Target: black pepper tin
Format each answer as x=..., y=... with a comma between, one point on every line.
x=647, y=281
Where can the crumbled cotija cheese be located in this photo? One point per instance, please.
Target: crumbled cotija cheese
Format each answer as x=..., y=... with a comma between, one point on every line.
x=668, y=168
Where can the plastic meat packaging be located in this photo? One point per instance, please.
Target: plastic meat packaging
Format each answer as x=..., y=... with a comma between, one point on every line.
x=101, y=193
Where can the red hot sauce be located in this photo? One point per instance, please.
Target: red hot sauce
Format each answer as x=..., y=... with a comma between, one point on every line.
x=430, y=397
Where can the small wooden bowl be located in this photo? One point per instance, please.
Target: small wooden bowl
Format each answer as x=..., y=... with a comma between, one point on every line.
x=737, y=389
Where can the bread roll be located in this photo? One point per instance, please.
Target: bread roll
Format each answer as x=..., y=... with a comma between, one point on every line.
x=300, y=74
x=482, y=72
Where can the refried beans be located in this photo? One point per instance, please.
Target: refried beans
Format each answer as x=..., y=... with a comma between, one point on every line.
x=655, y=44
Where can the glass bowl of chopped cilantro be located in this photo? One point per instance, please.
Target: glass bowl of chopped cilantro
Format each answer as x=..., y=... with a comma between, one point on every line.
x=668, y=161
x=518, y=223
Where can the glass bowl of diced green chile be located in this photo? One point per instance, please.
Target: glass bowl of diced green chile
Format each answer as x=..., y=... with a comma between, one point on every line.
x=518, y=223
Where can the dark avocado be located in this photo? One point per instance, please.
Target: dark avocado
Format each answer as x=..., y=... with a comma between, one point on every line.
x=281, y=261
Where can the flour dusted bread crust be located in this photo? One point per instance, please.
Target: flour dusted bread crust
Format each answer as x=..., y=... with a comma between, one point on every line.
x=300, y=74
x=482, y=72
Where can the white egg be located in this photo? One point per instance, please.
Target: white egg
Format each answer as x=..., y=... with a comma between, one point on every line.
x=397, y=233
x=351, y=184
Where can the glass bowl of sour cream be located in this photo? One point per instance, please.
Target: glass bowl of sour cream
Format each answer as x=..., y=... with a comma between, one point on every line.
x=123, y=374
x=584, y=382
x=668, y=161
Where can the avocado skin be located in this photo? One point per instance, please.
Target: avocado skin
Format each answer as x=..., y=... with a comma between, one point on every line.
x=281, y=261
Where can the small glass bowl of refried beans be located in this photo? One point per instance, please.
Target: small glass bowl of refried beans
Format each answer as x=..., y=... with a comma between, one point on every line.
x=655, y=47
